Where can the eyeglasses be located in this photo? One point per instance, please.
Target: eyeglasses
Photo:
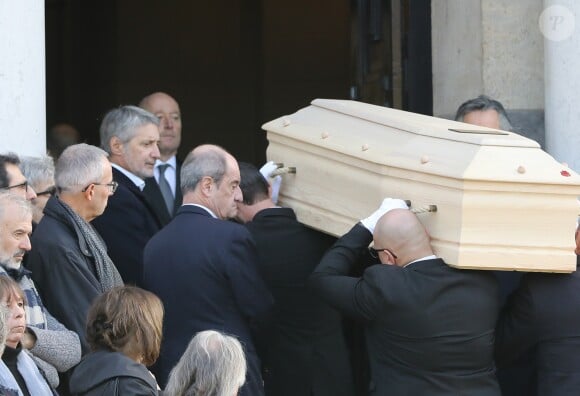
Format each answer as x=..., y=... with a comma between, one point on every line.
x=112, y=186
x=375, y=252
x=23, y=185
x=50, y=191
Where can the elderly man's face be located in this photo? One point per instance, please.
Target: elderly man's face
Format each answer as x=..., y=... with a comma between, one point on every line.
x=484, y=118
x=44, y=190
x=141, y=151
x=167, y=110
x=103, y=190
x=225, y=195
x=15, y=229
x=16, y=184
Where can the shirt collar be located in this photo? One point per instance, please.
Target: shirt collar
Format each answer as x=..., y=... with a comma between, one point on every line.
x=431, y=257
x=172, y=162
x=203, y=207
x=140, y=183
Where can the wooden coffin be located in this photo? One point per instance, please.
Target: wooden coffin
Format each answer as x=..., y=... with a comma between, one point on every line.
x=502, y=203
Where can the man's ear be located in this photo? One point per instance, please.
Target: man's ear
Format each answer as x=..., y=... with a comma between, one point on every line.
x=206, y=185
x=116, y=146
x=89, y=193
x=269, y=191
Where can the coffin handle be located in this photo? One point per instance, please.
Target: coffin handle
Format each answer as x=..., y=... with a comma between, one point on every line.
x=422, y=209
x=283, y=170
x=425, y=209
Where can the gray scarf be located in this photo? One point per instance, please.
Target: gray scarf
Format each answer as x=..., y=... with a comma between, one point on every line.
x=106, y=271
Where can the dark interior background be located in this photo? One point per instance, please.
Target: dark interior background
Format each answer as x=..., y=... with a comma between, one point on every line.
x=233, y=65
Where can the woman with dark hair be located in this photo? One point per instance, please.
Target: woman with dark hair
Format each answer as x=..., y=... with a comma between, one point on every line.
x=124, y=328
x=19, y=374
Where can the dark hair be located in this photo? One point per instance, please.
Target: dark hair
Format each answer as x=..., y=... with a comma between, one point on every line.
x=127, y=319
x=8, y=158
x=483, y=103
x=253, y=185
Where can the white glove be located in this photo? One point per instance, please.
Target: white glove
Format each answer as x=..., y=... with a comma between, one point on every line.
x=387, y=205
x=267, y=169
x=276, y=182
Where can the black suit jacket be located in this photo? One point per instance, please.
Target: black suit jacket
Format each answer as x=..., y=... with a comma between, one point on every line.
x=542, y=320
x=430, y=328
x=305, y=350
x=204, y=270
x=126, y=226
x=155, y=199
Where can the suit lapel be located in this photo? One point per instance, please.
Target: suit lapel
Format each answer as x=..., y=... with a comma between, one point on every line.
x=120, y=178
x=153, y=195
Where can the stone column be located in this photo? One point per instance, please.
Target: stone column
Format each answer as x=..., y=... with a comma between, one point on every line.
x=562, y=82
x=22, y=77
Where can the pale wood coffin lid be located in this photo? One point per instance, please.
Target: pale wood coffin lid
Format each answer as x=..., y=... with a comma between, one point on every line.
x=402, y=139
x=503, y=203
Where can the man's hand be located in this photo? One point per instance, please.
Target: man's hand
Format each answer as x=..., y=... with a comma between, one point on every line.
x=267, y=169
x=387, y=205
x=276, y=182
x=28, y=339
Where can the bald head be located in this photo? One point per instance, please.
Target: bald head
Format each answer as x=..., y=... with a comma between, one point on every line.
x=210, y=177
x=167, y=110
x=208, y=148
x=400, y=231
x=150, y=100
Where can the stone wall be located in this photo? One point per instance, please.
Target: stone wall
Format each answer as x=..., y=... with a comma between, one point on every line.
x=491, y=47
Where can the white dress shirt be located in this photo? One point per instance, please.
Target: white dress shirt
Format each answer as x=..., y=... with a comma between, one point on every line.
x=140, y=183
x=170, y=172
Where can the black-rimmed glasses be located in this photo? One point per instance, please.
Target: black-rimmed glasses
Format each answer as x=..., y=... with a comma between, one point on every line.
x=23, y=185
x=50, y=191
x=112, y=186
x=375, y=252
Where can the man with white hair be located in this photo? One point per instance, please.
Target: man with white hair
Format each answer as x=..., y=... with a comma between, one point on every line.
x=68, y=259
x=213, y=364
x=54, y=347
x=40, y=174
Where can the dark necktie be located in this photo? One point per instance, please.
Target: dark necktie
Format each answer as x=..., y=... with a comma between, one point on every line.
x=165, y=188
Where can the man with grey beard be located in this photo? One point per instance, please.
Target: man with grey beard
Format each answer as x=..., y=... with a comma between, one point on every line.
x=54, y=347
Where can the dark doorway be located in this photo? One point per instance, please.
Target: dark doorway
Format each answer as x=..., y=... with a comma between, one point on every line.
x=391, y=54
x=232, y=66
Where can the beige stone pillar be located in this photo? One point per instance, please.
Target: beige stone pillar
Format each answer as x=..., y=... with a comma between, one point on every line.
x=491, y=47
x=562, y=80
